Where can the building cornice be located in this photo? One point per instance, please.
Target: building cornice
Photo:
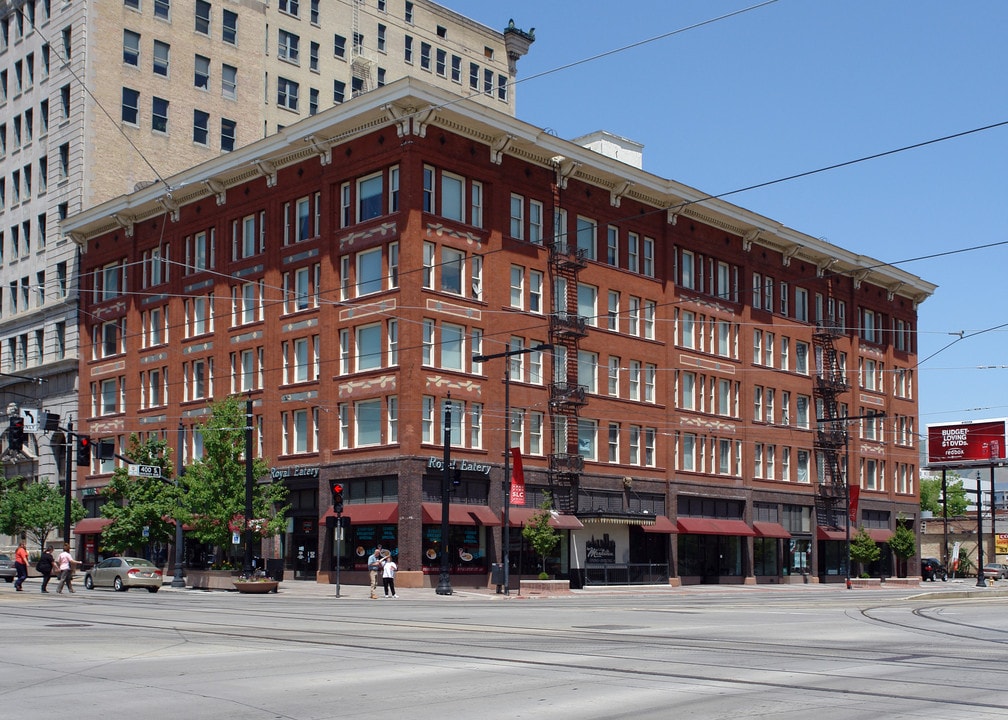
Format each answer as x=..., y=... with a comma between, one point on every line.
x=413, y=107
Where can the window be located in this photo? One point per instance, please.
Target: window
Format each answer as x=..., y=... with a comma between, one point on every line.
x=229, y=81
x=288, y=46
x=162, y=52
x=452, y=197
x=313, y=57
x=201, y=78
x=687, y=270
x=452, y=262
x=159, y=115
x=201, y=127
x=202, y=17
x=227, y=134
x=229, y=26
x=648, y=268
x=369, y=272
x=586, y=237
x=162, y=9
x=587, y=298
x=587, y=435
x=801, y=304
x=425, y=56
x=370, y=192
x=287, y=94
x=517, y=217
x=339, y=91
x=633, y=252
x=130, y=106
x=131, y=48
x=288, y=6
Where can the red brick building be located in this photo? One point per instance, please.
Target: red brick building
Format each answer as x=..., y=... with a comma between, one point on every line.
x=344, y=273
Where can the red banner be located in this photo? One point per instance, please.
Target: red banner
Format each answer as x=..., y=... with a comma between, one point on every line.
x=517, y=478
x=855, y=495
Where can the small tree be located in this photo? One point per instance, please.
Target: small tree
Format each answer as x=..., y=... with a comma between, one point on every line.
x=863, y=549
x=35, y=509
x=931, y=492
x=135, y=503
x=216, y=482
x=903, y=543
x=542, y=536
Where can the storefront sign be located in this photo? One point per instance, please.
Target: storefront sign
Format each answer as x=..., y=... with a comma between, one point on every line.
x=436, y=463
x=601, y=550
x=294, y=471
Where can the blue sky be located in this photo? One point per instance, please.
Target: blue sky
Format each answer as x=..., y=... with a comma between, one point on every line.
x=794, y=86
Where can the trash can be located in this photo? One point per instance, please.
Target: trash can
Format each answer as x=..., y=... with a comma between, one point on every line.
x=496, y=574
x=275, y=569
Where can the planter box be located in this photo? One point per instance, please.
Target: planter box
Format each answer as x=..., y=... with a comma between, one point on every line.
x=545, y=587
x=210, y=579
x=256, y=587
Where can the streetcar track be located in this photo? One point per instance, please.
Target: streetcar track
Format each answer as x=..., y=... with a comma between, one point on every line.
x=610, y=646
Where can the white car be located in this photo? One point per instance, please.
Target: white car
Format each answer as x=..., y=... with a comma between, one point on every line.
x=123, y=573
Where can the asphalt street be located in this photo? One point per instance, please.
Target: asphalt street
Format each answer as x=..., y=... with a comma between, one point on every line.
x=803, y=651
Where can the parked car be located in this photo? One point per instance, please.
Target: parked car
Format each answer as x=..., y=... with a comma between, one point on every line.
x=123, y=573
x=996, y=571
x=932, y=569
x=7, y=570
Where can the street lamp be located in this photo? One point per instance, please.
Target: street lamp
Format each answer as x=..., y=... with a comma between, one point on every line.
x=981, y=580
x=506, y=531
x=178, y=581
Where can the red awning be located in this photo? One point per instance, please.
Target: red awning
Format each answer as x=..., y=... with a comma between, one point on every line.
x=367, y=514
x=518, y=516
x=828, y=534
x=661, y=525
x=459, y=514
x=483, y=515
x=770, y=530
x=711, y=526
x=91, y=526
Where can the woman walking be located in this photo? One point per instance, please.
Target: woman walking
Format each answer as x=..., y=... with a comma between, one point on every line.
x=20, y=565
x=45, y=566
x=66, y=563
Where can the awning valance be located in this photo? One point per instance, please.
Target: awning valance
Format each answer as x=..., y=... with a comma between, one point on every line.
x=366, y=514
x=460, y=514
x=661, y=525
x=712, y=526
x=770, y=530
x=518, y=516
x=830, y=534
x=91, y=526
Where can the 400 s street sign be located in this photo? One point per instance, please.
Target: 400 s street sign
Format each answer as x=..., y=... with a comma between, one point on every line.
x=144, y=471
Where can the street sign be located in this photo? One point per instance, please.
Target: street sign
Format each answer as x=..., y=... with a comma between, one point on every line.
x=31, y=420
x=145, y=471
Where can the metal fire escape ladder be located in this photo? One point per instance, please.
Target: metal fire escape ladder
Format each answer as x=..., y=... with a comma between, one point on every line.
x=831, y=429
x=360, y=65
x=567, y=397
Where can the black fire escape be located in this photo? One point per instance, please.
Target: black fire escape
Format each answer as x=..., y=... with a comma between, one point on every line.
x=831, y=429
x=567, y=397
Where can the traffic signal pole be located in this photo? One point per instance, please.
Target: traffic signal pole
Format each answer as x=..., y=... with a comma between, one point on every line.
x=68, y=463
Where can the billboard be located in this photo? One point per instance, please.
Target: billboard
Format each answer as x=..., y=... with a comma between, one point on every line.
x=967, y=443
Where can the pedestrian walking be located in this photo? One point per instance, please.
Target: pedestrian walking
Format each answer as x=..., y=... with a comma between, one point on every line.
x=389, y=569
x=374, y=569
x=45, y=566
x=20, y=565
x=65, y=562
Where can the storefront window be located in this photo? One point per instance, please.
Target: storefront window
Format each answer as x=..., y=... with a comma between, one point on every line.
x=765, y=561
x=466, y=550
x=365, y=539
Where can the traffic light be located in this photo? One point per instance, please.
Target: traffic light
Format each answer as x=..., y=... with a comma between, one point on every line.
x=15, y=433
x=106, y=449
x=84, y=451
x=337, y=498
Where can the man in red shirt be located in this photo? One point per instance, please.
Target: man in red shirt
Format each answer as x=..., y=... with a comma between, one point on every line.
x=20, y=565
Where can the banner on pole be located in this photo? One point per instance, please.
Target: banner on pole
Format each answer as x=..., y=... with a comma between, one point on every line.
x=517, y=478
x=855, y=495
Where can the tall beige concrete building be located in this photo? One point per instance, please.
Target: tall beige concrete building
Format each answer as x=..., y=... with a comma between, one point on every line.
x=99, y=97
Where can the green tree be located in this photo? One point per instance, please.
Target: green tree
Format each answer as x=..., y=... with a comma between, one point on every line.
x=135, y=503
x=542, y=536
x=863, y=549
x=35, y=509
x=931, y=496
x=903, y=543
x=216, y=482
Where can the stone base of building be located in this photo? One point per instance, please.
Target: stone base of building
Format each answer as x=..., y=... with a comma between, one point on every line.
x=675, y=582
